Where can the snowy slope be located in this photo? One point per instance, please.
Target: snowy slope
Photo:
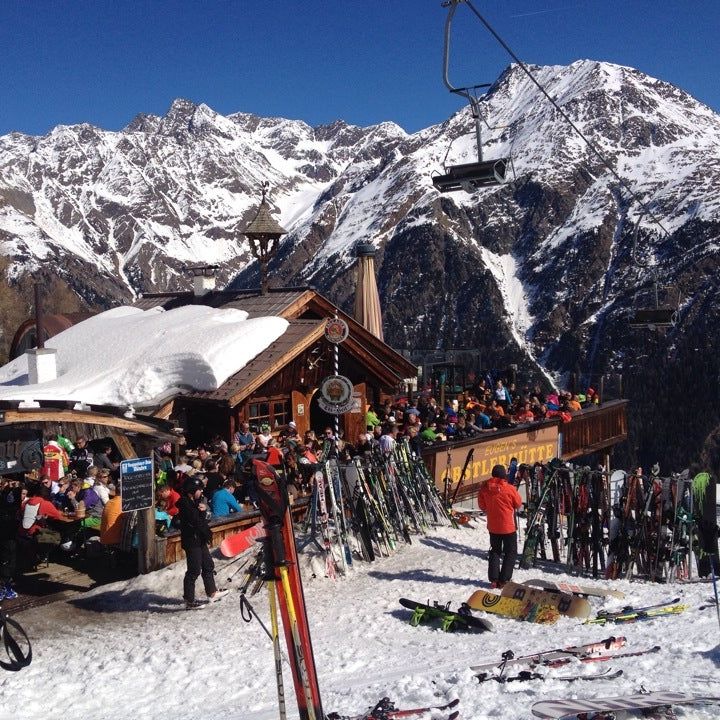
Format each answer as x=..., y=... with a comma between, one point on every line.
x=131, y=650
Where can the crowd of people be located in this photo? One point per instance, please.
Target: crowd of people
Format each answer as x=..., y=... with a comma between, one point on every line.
x=487, y=407
x=76, y=497
x=69, y=500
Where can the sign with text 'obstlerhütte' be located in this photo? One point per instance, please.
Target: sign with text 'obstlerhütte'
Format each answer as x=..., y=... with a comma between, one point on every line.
x=137, y=484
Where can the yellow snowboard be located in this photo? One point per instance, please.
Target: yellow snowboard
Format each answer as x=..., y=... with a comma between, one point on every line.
x=564, y=603
x=509, y=607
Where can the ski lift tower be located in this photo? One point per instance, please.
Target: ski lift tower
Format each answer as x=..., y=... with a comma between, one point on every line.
x=483, y=173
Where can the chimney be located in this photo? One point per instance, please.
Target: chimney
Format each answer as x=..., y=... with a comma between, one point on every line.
x=203, y=279
x=42, y=365
x=42, y=361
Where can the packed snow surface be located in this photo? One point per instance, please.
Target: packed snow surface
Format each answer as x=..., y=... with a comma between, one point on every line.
x=131, y=650
x=132, y=357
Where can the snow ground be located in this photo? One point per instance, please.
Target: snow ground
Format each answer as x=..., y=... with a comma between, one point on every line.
x=130, y=650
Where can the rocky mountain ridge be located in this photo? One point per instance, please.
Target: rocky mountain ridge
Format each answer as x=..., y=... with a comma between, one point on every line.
x=539, y=271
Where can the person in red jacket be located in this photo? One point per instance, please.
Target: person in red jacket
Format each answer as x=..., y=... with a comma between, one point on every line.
x=500, y=500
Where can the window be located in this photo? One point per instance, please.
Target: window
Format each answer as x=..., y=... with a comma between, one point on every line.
x=281, y=413
x=275, y=412
x=259, y=413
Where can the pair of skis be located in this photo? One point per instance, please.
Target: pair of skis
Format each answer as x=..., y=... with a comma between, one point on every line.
x=284, y=576
x=386, y=710
x=531, y=675
x=599, y=651
x=631, y=614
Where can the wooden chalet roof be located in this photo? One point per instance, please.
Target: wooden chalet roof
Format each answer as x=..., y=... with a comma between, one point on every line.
x=293, y=304
x=306, y=310
x=307, y=302
x=283, y=303
x=164, y=300
x=299, y=335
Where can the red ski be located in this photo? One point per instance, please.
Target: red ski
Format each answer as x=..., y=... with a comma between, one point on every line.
x=239, y=542
x=280, y=544
x=386, y=710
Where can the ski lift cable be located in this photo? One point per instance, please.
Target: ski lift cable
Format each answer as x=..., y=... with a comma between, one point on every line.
x=633, y=250
x=452, y=4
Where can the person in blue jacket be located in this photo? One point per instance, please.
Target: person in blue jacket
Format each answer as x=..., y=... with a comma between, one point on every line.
x=223, y=501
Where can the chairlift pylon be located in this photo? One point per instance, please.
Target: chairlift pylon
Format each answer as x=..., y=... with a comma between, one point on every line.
x=483, y=173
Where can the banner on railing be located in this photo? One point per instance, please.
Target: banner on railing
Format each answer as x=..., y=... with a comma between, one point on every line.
x=528, y=446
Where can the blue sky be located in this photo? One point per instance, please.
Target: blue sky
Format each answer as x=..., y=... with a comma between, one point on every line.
x=363, y=61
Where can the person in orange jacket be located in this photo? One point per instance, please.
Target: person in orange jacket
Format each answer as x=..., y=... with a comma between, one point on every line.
x=500, y=500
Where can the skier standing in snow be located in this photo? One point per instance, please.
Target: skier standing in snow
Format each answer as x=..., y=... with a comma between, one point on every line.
x=195, y=537
x=499, y=500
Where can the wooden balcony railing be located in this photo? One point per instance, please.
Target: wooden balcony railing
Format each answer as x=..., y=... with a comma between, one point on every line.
x=594, y=429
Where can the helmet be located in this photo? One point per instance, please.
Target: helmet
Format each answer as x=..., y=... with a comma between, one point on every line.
x=192, y=484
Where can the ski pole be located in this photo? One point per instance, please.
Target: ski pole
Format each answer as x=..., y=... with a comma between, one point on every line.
x=713, y=558
x=462, y=475
x=297, y=646
x=275, y=637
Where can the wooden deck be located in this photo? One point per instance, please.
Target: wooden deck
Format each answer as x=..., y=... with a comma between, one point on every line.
x=594, y=429
x=224, y=527
x=589, y=431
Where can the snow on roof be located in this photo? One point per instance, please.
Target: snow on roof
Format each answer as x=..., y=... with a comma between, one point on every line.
x=127, y=356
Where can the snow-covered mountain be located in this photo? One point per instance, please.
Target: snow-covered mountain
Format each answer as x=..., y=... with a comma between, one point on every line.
x=537, y=270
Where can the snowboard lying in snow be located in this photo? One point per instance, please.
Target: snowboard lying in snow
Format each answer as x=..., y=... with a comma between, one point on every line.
x=556, y=709
x=564, y=603
x=509, y=607
x=450, y=619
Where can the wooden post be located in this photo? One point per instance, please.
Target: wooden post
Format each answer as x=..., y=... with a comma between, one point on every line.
x=147, y=555
x=147, y=550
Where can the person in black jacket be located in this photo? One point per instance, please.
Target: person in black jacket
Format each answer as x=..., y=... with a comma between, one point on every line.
x=195, y=538
x=80, y=457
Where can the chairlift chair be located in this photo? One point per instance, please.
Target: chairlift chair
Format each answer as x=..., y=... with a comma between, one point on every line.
x=661, y=311
x=661, y=314
x=483, y=173
x=471, y=176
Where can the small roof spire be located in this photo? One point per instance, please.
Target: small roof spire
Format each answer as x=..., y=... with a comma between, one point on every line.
x=264, y=233
x=264, y=223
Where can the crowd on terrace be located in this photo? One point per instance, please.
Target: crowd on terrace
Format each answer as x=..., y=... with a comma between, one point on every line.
x=487, y=407
x=74, y=500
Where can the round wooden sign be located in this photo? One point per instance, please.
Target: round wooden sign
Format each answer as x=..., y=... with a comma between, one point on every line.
x=336, y=330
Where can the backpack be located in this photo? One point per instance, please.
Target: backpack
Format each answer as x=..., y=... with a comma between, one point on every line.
x=30, y=515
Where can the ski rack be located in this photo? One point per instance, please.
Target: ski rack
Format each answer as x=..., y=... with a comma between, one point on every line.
x=639, y=525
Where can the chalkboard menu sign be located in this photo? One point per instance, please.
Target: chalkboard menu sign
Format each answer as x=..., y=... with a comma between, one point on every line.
x=137, y=483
